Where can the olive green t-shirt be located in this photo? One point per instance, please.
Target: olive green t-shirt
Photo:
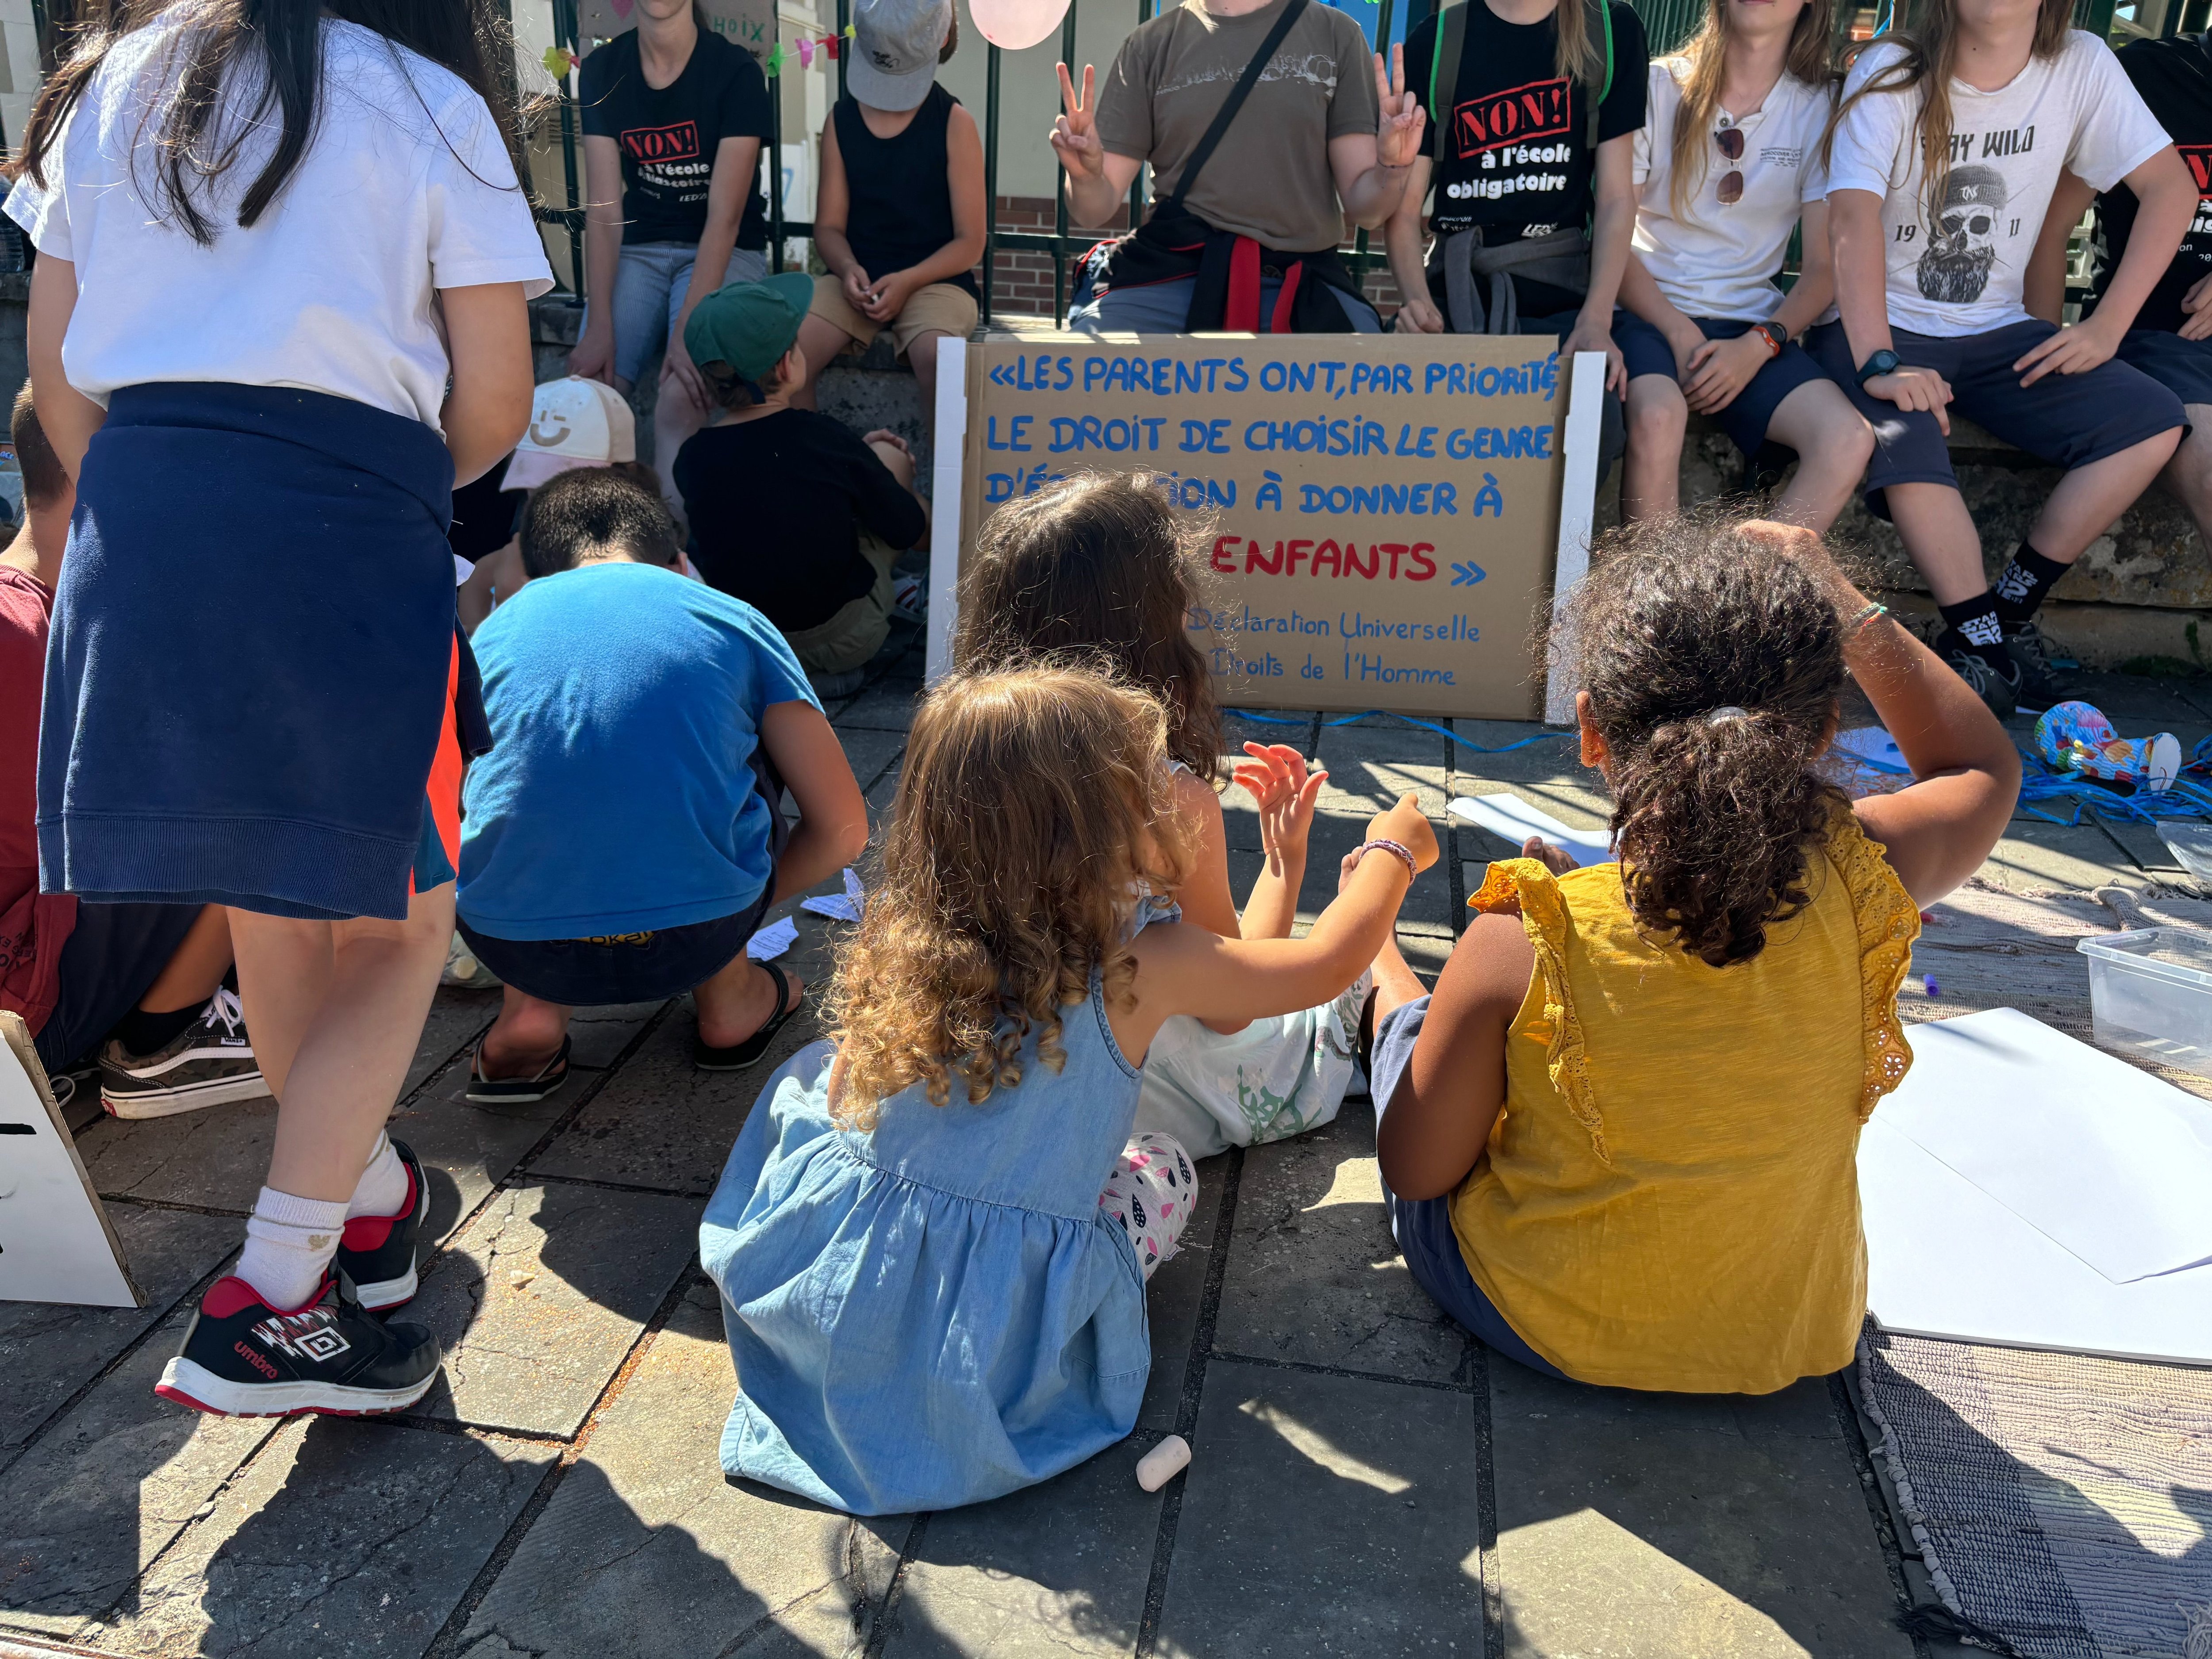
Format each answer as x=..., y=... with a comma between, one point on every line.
x=1269, y=177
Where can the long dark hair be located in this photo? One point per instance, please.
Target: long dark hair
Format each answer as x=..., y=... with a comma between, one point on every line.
x=1097, y=568
x=1931, y=49
x=1713, y=663
x=279, y=41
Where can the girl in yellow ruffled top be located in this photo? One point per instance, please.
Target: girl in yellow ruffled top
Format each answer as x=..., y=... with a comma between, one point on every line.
x=1619, y=1138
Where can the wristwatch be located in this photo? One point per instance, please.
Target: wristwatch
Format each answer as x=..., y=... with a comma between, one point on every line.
x=1884, y=362
x=1777, y=336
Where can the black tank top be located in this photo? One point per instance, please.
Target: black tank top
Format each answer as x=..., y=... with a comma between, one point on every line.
x=900, y=208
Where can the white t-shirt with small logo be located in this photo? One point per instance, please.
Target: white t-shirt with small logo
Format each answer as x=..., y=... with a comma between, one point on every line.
x=406, y=188
x=1720, y=261
x=2077, y=112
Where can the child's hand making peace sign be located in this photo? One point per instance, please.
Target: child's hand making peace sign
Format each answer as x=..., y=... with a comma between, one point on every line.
x=1284, y=791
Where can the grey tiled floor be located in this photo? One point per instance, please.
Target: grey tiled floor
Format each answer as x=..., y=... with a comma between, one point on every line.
x=1367, y=1481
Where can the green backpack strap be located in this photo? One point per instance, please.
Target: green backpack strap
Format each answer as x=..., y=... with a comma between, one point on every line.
x=1444, y=72
x=1597, y=20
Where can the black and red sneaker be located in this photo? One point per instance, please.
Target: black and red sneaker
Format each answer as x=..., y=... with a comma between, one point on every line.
x=242, y=1358
x=377, y=1252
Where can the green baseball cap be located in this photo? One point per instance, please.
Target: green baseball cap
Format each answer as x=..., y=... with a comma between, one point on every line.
x=750, y=325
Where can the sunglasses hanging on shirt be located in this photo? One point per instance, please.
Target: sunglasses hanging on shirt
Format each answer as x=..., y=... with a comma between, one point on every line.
x=1730, y=139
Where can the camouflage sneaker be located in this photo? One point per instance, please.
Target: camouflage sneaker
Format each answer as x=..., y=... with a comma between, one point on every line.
x=2043, y=682
x=208, y=1063
x=1996, y=689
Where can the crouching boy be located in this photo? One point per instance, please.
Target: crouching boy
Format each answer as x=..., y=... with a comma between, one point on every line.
x=623, y=839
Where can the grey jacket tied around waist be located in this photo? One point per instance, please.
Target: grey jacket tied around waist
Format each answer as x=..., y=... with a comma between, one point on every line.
x=1561, y=260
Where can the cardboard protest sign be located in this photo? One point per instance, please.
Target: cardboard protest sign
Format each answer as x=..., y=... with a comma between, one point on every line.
x=750, y=23
x=56, y=1241
x=1386, y=509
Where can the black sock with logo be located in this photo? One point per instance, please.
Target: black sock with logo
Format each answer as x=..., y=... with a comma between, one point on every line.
x=2026, y=581
x=1974, y=624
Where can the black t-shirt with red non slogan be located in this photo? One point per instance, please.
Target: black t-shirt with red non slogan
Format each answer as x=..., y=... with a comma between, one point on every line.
x=1517, y=159
x=668, y=135
x=2174, y=77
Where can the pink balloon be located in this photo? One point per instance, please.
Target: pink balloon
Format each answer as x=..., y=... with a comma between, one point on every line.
x=1011, y=25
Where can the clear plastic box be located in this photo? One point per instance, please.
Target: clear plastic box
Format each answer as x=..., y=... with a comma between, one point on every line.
x=2150, y=994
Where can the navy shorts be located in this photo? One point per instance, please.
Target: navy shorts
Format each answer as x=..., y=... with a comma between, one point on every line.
x=2067, y=420
x=585, y=973
x=1423, y=1227
x=111, y=958
x=2182, y=366
x=1749, y=412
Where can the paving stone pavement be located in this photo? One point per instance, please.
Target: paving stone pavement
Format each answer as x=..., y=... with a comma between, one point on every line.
x=1367, y=1479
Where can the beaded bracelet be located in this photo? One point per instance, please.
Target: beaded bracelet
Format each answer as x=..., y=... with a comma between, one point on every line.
x=1413, y=870
x=1864, y=615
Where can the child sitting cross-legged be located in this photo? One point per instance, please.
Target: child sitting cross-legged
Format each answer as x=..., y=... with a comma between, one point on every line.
x=1100, y=567
x=789, y=511
x=623, y=839
x=1619, y=1142
x=932, y=1237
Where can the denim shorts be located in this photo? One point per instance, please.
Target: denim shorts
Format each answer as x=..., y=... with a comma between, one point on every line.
x=1423, y=1227
x=586, y=973
x=2065, y=420
x=1751, y=410
x=651, y=279
x=1163, y=308
x=2182, y=366
x=109, y=959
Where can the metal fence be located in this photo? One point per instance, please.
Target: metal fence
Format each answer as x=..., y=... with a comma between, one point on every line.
x=1668, y=24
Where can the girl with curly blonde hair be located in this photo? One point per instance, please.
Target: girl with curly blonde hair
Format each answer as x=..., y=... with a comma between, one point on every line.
x=929, y=1299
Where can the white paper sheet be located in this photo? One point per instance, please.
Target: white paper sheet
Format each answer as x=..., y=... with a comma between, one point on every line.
x=2104, y=1160
x=1944, y=1259
x=840, y=907
x=1508, y=817
x=773, y=940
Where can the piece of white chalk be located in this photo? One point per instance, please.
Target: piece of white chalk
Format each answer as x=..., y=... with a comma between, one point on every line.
x=1164, y=1462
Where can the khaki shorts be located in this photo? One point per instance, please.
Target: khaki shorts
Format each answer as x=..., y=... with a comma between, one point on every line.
x=940, y=308
x=854, y=635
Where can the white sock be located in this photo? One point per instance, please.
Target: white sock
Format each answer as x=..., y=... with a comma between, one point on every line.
x=383, y=1189
x=290, y=1243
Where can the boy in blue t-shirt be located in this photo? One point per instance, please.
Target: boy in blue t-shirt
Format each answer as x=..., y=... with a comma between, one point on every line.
x=622, y=840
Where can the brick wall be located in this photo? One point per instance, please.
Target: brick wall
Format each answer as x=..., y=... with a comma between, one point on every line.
x=1022, y=278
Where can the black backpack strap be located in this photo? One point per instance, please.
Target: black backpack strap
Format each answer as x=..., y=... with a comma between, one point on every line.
x=1443, y=75
x=1235, y=101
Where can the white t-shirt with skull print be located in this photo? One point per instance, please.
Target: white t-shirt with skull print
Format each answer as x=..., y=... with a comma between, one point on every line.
x=1962, y=275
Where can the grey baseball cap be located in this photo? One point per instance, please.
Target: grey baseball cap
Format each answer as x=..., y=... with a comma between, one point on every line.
x=895, y=47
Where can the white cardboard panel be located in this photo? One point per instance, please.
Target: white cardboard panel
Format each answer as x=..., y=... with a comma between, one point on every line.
x=54, y=1242
x=1944, y=1259
x=2100, y=1158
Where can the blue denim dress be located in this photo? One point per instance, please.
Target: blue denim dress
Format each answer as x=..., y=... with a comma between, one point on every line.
x=934, y=1312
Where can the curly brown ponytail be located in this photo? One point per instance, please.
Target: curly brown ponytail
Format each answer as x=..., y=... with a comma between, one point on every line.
x=1713, y=662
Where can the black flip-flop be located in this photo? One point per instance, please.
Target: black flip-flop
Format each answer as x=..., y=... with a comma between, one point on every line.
x=743, y=1056
x=516, y=1090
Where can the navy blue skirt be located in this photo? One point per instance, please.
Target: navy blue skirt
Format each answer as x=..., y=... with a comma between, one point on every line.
x=247, y=672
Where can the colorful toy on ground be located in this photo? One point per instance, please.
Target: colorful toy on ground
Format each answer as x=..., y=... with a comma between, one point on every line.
x=2075, y=737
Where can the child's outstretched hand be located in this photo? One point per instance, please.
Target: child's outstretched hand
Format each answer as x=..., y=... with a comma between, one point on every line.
x=1409, y=826
x=1277, y=780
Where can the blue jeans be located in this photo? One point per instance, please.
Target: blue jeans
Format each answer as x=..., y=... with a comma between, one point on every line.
x=1423, y=1227
x=1161, y=308
x=650, y=280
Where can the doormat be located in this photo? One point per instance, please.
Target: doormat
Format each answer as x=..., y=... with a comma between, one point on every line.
x=2062, y=1502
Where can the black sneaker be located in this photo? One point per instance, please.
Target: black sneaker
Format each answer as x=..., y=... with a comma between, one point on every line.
x=242, y=1358
x=1993, y=686
x=376, y=1253
x=208, y=1063
x=2043, y=683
